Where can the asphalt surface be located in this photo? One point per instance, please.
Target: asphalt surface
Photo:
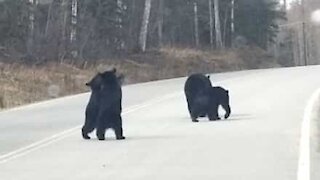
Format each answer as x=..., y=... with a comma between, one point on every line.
x=260, y=140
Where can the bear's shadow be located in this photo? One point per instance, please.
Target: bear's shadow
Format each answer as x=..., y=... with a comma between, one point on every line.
x=236, y=117
x=134, y=138
x=233, y=117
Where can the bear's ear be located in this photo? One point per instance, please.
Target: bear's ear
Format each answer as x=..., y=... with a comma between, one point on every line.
x=114, y=70
x=227, y=91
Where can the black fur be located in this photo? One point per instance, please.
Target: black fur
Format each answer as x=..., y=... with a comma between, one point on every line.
x=209, y=100
x=194, y=85
x=104, y=108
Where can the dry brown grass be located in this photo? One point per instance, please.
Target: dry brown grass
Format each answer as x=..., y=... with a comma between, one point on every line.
x=23, y=84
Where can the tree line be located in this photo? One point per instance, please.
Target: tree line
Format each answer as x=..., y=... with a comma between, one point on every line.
x=56, y=30
x=298, y=40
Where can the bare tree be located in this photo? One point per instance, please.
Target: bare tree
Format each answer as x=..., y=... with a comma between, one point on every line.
x=144, y=26
x=285, y=5
x=196, y=26
x=232, y=22
x=120, y=41
x=217, y=24
x=304, y=33
x=211, y=23
x=30, y=41
x=73, y=33
x=48, y=19
x=226, y=17
x=160, y=23
x=63, y=45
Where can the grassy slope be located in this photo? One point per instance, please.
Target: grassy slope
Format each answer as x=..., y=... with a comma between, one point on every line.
x=22, y=84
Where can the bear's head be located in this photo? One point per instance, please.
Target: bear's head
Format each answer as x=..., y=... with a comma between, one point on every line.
x=95, y=82
x=105, y=78
x=111, y=77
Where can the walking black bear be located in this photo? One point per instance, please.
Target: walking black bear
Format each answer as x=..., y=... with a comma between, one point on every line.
x=104, y=108
x=208, y=101
x=193, y=86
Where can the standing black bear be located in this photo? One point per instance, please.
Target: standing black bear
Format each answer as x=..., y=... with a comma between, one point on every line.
x=194, y=85
x=92, y=108
x=208, y=101
x=104, y=108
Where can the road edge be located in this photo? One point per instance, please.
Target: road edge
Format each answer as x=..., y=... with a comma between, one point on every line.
x=303, y=172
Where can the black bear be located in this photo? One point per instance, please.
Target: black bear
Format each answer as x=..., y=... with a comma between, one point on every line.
x=194, y=85
x=104, y=108
x=208, y=101
x=93, y=105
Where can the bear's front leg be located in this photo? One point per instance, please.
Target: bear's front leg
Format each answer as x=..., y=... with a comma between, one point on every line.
x=227, y=109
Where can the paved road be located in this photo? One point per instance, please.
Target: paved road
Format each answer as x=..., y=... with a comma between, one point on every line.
x=260, y=141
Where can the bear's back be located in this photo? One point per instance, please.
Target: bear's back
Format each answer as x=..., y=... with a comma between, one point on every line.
x=111, y=94
x=196, y=83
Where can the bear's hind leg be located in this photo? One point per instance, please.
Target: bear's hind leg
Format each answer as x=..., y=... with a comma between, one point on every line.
x=101, y=133
x=85, y=133
x=189, y=102
x=101, y=128
x=118, y=128
x=87, y=128
x=195, y=114
x=119, y=133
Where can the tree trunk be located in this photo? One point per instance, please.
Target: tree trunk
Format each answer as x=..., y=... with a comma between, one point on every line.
x=73, y=32
x=144, y=26
x=63, y=46
x=211, y=23
x=196, y=26
x=30, y=41
x=285, y=5
x=131, y=39
x=304, y=33
x=48, y=19
x=120, y=43
x=232, y=22
x=217, y=24
x=160, y=23
x=226, y=16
